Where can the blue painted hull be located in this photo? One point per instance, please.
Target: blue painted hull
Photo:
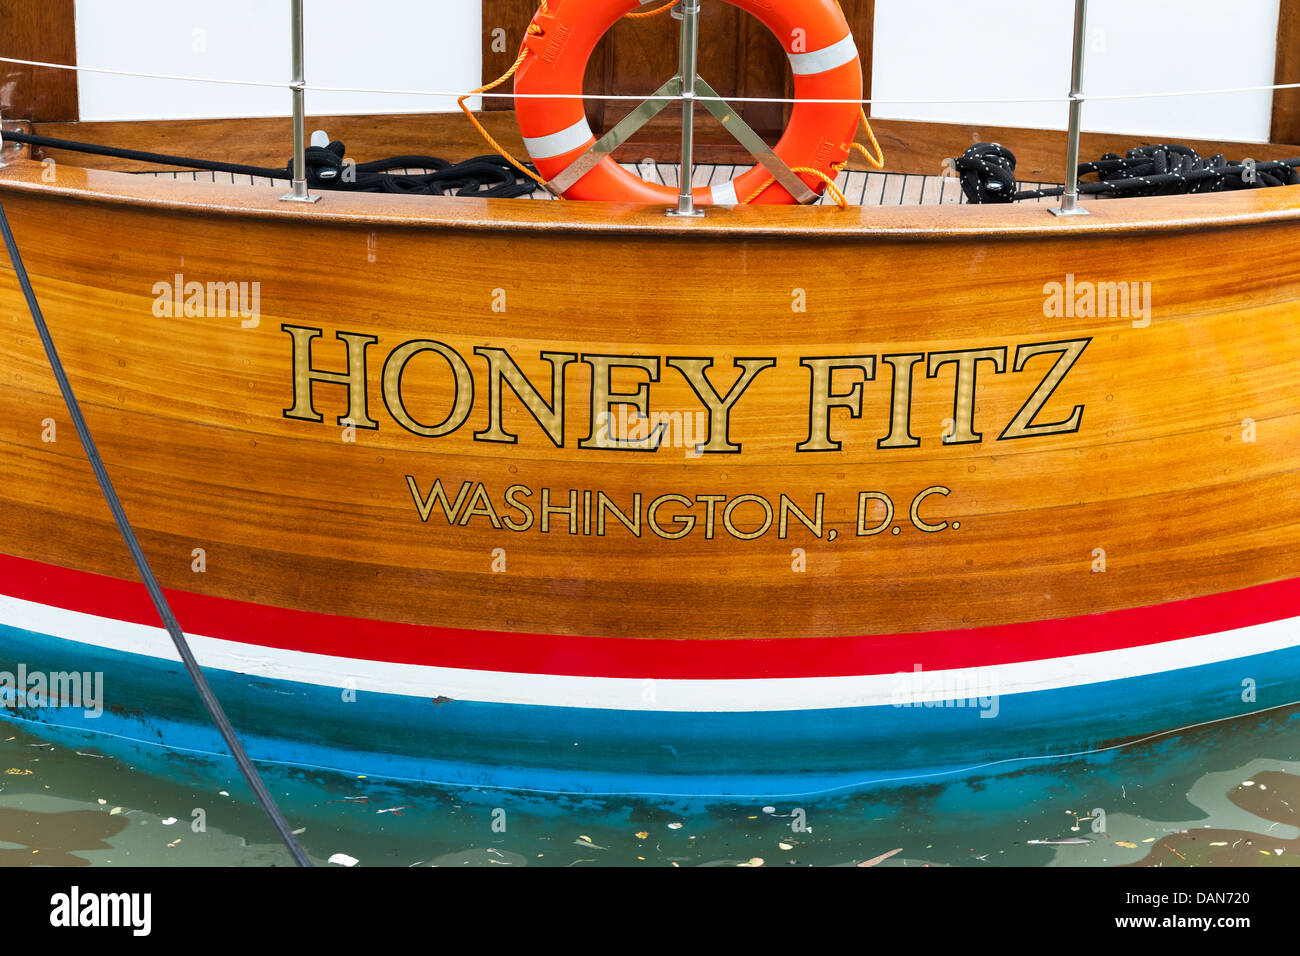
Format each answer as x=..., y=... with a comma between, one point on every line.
x=579, y=750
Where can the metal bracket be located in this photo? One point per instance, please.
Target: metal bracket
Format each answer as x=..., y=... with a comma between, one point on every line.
x=744, y=134
x=664, y=97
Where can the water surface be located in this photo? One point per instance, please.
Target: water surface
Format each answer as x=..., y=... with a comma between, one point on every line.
x=1224, y=794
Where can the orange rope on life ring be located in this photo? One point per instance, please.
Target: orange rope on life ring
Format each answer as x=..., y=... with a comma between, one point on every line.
x=816, y=142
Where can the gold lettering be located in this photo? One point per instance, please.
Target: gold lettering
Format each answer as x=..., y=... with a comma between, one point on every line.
x=1022, y=425
x=462, y=399
x=963, y=405
x=822, y=399
x=900, y=409
x=305, y=374
x=502, y=368
x=604, y=398
x=719, y=408
x=685, y=522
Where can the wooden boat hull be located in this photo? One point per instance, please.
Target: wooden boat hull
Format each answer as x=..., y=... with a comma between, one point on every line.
x=1062, y=529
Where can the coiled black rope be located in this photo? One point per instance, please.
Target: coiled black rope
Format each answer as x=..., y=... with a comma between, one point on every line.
x=988, y=174
x=484, y=176
x=142, y=563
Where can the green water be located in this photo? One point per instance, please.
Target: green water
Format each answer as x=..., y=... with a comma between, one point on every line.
x=1216, y=795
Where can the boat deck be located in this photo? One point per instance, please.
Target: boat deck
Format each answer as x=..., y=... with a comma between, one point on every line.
x=861, y=188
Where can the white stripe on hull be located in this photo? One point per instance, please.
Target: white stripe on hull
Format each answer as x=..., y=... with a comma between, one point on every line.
x=620, y=693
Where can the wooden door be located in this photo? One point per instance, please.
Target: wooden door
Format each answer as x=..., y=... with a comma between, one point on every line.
x=38, y=30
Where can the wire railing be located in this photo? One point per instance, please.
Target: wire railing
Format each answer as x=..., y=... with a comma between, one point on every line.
x=298, y=88
x=633, y=97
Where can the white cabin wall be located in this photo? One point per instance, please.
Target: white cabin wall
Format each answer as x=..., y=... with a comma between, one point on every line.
x=391, y=44
x=967, y=49
x=986, y=49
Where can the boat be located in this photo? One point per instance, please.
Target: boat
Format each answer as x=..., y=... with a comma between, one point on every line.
x=578, y=497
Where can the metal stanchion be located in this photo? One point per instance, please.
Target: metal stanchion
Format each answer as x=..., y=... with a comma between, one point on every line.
x=299, y=84
x=1070, y=200
x=690, y=16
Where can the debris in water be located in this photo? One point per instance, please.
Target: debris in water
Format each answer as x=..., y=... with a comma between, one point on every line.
x=642, y=835
x=671, y=826
x=169, y=821
x=101, y=801
x=18, y=772
x=1068, y=841
x=174, y=842
x=769, y=809
x=1127, y=845
x=754, y=861
x=880, y=859
x=115, y=811
x=585, y=843
x=786, y=846
x=342, y=859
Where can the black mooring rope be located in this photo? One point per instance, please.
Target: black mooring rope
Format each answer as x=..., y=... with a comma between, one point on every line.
x=484, y=176
x=988, y=174
x=210, y=701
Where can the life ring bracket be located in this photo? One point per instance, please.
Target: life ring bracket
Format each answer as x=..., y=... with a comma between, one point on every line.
x=661, y=99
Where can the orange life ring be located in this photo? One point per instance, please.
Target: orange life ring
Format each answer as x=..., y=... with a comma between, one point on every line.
x=823, y=58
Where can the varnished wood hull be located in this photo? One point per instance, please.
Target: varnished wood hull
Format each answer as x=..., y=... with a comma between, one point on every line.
x=1095, y=536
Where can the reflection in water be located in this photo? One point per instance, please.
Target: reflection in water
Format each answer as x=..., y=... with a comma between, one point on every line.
x=53, y=839
x=1269, y=795
x=1226, y=794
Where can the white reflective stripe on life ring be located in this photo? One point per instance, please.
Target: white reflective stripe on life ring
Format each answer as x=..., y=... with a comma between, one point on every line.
x=557, y=144
x=827, y=58
x=724, y=194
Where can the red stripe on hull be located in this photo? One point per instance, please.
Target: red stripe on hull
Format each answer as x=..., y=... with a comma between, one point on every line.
x=367, y=639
